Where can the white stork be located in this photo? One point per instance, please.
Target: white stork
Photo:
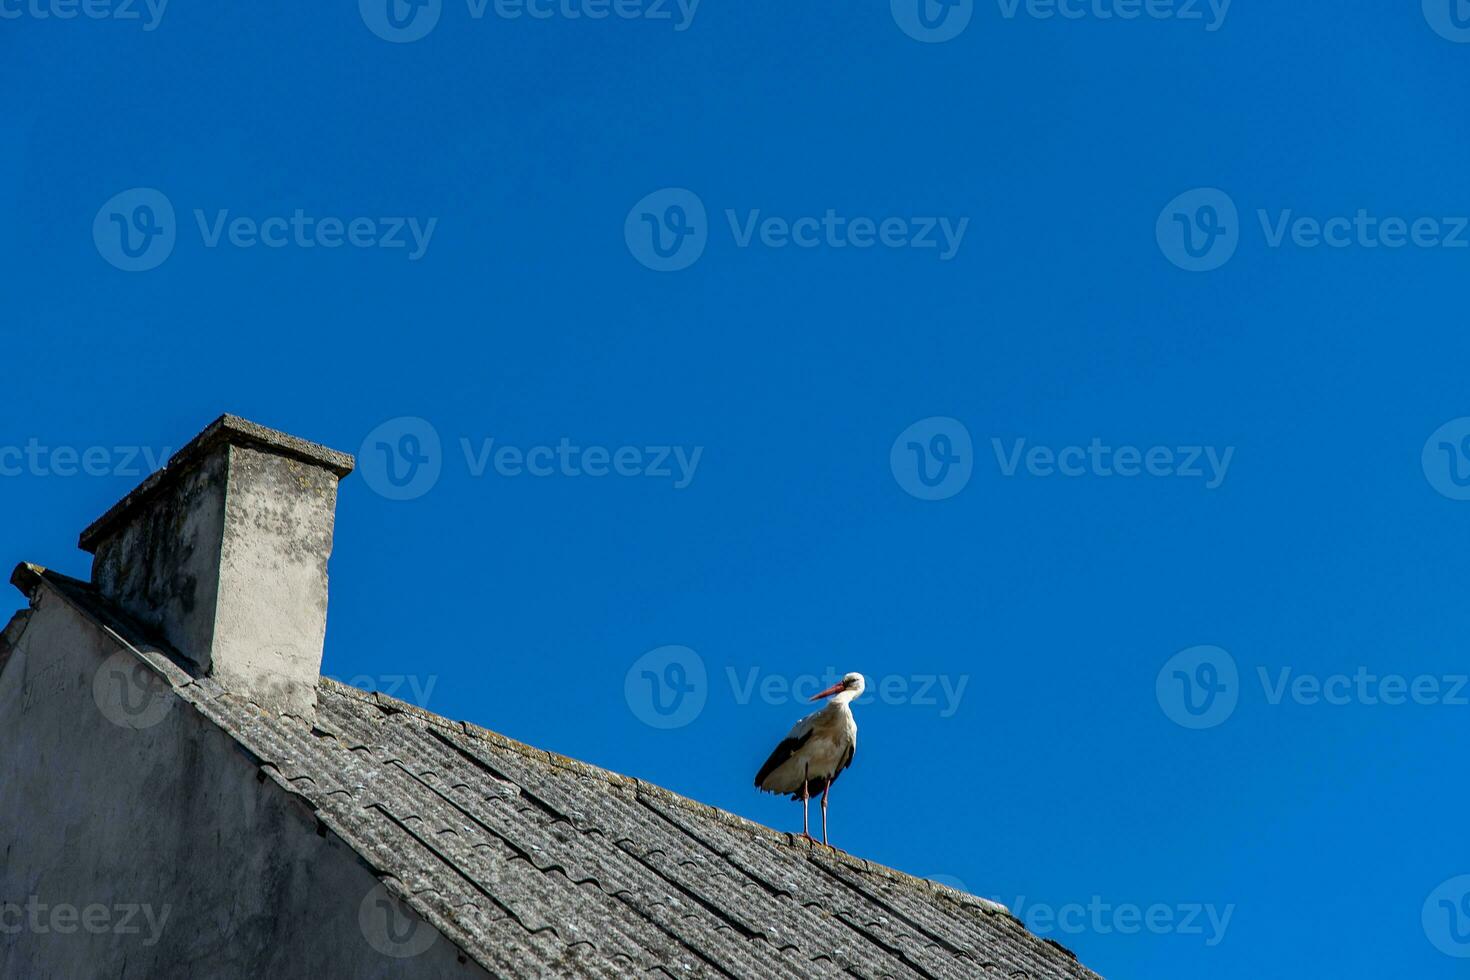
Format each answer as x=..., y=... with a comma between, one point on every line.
x=815, y=752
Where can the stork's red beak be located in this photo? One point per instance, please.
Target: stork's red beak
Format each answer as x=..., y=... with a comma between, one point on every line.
x=835, y=688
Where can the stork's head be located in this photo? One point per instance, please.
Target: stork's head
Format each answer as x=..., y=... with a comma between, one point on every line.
x=844, y=690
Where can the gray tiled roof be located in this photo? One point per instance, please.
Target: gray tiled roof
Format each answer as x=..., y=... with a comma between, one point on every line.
x=539, y=865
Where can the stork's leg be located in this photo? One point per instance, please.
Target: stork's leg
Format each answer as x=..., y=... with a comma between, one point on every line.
x=806, y=830
x=825, y=790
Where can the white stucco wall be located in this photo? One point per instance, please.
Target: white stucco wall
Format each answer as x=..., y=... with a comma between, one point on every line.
x=137, y=841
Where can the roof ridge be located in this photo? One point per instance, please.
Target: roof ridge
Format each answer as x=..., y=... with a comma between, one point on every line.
x=725, y=817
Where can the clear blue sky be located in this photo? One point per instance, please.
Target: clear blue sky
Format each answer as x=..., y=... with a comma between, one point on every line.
x=1057, y=150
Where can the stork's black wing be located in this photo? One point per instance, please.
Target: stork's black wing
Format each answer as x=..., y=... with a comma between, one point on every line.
x=784, y=751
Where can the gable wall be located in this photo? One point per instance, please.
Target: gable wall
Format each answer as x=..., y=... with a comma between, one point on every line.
x=137, y=840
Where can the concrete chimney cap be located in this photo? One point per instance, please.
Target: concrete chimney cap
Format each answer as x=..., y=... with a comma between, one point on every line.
x=228, y=430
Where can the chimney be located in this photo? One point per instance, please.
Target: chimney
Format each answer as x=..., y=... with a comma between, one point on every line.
x=224, y=552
